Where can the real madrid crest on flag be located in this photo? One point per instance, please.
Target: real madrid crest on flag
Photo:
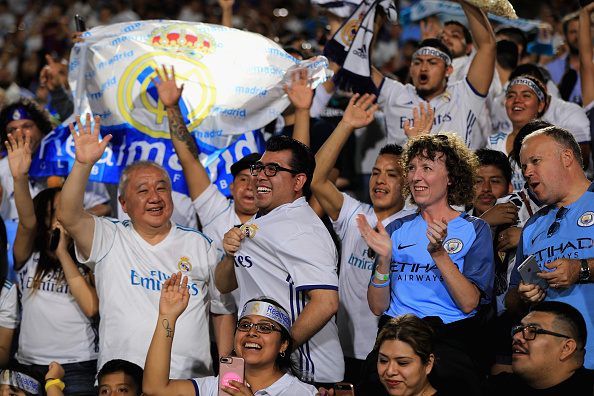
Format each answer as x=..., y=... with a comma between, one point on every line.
x=249, y=230
x=184, y=264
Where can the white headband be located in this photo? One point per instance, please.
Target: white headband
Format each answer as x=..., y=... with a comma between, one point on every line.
x=269, y=311
x=530, y=84
x=21, y=381
x=433, y=52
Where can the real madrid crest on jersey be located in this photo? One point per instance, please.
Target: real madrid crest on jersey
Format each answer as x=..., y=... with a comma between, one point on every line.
x=453, y=245
x=249, y=230
x=446, y=97
x=586, y=220
x=184, y=264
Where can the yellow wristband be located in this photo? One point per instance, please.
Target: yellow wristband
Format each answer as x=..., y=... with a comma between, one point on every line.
x=57, y=382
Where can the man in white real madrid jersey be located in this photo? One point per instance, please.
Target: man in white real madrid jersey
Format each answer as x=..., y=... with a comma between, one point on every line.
x=560, y=236
x=357, y=324
x=286, y=253
x=456, y=105
x=132, y=259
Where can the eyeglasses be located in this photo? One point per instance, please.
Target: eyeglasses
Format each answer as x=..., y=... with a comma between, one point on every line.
x=269, y=169
x=557, y=223
x=529, y=332
x=262, y=328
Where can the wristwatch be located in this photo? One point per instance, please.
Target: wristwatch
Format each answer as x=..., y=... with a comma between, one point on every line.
x=584, y=276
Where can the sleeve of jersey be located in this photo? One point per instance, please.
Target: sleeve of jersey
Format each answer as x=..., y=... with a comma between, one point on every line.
x=103, y=240
x=349, y=206
x=9, y=306
x=388, y=91
x=95, y=194
x=207, y=386
x=479, y=267
x=220, y=304
x=210, y=204
x=311, y=261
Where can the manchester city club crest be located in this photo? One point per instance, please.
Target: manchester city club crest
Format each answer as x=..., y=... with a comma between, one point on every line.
x=249, y=230
x=586, y=220
x=184, y=264
x=453, y=245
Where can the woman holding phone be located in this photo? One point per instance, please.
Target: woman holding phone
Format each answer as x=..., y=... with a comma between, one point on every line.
x=436, y=263
x=262, y=340
x=58, y=296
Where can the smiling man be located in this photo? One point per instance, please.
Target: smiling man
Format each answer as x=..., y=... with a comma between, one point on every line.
x=132, y=260
x=285, y=252
x=547, y=355
x=559, y=236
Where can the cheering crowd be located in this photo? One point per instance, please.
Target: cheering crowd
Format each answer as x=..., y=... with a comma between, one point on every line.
x=456, y=257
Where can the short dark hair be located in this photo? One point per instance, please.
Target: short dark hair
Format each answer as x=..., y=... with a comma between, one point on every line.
x=302, y=158
x=393, y=149
x=411, y=330
x=564, y=138
x=507, y=54
x=497, y=159
x=568, y=320
x=465, y=30
x=526, y=130
x=516, y=35
x=436, y=43
x=38, y=114
x=124, y=366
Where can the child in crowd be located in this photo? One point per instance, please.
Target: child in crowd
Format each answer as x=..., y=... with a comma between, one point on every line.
x=120, y=376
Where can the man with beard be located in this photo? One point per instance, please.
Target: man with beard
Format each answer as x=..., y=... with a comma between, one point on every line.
x=565, y=70
x=548, y=354
x=457, y=105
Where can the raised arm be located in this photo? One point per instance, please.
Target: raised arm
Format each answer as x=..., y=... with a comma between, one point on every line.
x=183, y=142
x=301, y=95
x=482, y=68
x=71, y=213
x=227, y=12
x=359, y=113
x=19, y=161
x=156, y=382
x=586, y=54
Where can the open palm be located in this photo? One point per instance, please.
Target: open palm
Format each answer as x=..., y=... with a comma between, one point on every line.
x=174, y=296
x=19, y=153
x=169, y=93
x=88, y=148
x=360, y=111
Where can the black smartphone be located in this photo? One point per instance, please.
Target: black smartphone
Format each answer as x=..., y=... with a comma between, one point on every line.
x=55, y=239
x=79, y=20
x=344, y=389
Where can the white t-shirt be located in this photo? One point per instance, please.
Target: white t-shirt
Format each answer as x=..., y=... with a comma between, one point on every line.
x=53, y=326
x=287, y=385
x=129, y=273
x=287, y=253
x=9, y=306
x=498, y=142
x=456, y=110
x=95, y=193
x=357, y=324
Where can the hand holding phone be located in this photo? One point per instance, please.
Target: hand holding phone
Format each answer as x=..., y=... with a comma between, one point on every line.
x=231, y=368
x=79, y=20
x=344, y=389
x=528, y=270
x=55, y=239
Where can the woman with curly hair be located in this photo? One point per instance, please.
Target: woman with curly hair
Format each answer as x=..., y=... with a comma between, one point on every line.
x=436, y=263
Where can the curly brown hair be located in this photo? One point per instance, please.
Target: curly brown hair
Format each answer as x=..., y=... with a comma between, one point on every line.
x=461, y=163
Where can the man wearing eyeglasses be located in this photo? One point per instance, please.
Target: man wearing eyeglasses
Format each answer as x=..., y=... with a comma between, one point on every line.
x=560, y=236
x=547, y=354
x=285, y=252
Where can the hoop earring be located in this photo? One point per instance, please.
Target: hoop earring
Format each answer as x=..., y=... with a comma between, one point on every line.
x=282, y=354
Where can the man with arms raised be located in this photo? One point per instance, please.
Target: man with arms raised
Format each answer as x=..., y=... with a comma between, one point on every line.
x=559, y=236
x=132, y=259
x=286, y=253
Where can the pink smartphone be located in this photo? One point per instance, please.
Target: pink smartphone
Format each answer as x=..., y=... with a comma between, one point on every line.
x=344, y=389
x=230, y=368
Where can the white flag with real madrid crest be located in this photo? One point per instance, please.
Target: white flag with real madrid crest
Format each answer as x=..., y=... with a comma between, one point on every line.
x=233, y=84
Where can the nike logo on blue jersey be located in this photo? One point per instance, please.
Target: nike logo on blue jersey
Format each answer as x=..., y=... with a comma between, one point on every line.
x=534, y=239
x=405, y=246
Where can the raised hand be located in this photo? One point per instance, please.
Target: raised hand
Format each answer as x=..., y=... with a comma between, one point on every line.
x=379, y=240
x=300, y=92
x=174, y=296
x=421, y=125
x=88, y=148
x=360, y=111
x=169, y=93
x=436, y=233
x=50, y=74
x=19, y=153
